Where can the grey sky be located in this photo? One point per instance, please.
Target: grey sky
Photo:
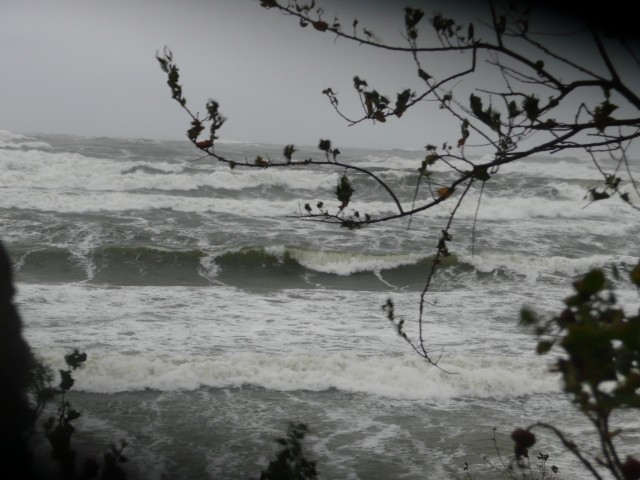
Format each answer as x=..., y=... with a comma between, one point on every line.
x=87, y=67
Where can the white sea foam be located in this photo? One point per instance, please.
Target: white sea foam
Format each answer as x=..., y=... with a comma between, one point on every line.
x=24, y=145
x=54, y=201
x=405, y=376
x=7, y=136
x=342, y=263
x=566, y=168
x=533, y=266
x=10, y=140
x=573, y=205
x=37, y=169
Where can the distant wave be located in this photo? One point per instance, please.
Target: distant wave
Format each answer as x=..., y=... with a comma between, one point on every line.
x=14, y=141
x=280, y=266
x=76, y=171
x=7, y=136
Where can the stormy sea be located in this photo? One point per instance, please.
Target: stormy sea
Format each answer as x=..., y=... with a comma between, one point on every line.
x=213, y=315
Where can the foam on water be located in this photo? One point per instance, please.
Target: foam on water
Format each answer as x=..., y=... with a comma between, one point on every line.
x=76, y=202
x=405, y=376
x=534, y=266
x=342, y=263
x=37, y=169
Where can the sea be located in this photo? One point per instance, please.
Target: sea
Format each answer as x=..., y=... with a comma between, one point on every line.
x=214, y=314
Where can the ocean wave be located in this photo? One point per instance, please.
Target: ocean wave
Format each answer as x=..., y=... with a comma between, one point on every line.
x=280, y=267
x=38, y=169
x=15, y=141
x=7, y=136
x=342, y=263
x=530, y=265
x=403, y=376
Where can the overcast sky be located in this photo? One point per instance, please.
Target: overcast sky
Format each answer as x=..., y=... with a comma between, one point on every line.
x=88, y=67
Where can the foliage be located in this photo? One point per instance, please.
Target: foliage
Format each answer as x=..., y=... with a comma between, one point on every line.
x=523, y=468
x=59, y=429
x=600, y=366
x=290, y=463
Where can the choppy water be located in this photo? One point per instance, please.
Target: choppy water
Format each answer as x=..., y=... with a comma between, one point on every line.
x=211, y=317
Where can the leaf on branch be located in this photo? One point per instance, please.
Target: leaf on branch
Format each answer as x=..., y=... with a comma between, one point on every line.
x=444, y=192
x=379, y=116
x=268, y=3
x=173, y=75
x=320, y=25
x=194, y=131
x=358, y=84
x=325, y=146
x=217, y=120
x=370, y=36
x=424, y=75
x=401, y=102
x=66, y=380
x=591, y=283
x=596, y=195
x=527, y=317
x=523, y=439
x=476, y=105
x=530, y=105
x=261, y=162
x=344, y=190
x=289, y=150
x=513, y=109
x=464, y=129
x=602, y=114
x=544, y=346
x=375, y=104
x=204, y=144
x=75, y=359
x=612, y=181
x=442, y=248
x=412, y=17
x=489, y=116
x=443, y=26
x=431, y=158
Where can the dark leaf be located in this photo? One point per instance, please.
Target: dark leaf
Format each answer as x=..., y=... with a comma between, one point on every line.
x=320, y=26
x=325, y=145
x=423, y=75
x=66, y=380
